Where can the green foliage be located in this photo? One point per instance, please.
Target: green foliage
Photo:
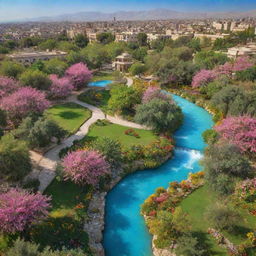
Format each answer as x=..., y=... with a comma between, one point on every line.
x=234, y=100
x=105, y=37
x=110, y=148
x=49, y=44
x=14, y=158
x=188, y=245
x=210, y=136
x=247, y=75
x=142, y=39
x=223, y=165
x=23, y=248
x=3, y=120
x=43, y=132
x=210, y=59
x=36, y=79
x=11, y=69
x=67, y=47
x=81, y=40
x=123, y=99
x=115, y=48
x=140, y=53
x=222, y=217
x=55, y=66
x=137, y=69
x=162, y=116
x=3, y=50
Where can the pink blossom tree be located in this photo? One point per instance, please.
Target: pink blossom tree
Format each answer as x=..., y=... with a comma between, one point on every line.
x=153, y=92
x=7, y=86
x=24, y=101
x=85, y=167
x=19, y=209
x=60, y=87
x=240, y=131
x=203, y=77
x=79, y=74
x=242, y=63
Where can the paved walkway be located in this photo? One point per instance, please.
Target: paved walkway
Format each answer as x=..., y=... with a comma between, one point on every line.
x=47, y=163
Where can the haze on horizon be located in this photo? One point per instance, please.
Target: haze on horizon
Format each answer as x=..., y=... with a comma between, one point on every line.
x=13, y=10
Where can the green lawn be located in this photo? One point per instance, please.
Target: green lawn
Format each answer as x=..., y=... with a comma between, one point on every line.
x=97, y=98
x=115, y=131
x=196, y=205
x=103, y=76
x=64, y=227
x=70, y=116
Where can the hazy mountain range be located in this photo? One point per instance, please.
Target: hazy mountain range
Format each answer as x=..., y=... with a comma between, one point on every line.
x=157, y=14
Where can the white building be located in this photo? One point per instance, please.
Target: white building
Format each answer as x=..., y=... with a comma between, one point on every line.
x=247, y=50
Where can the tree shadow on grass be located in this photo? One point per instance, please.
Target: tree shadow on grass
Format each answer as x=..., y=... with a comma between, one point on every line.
x=69, y=115
x=206, y=244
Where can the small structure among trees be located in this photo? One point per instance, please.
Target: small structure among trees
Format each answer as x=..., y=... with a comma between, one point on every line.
x=123, y=62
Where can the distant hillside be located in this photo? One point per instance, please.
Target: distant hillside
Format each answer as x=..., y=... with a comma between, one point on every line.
x=156, y=14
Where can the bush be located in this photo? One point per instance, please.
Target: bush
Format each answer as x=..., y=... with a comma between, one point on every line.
x=137, y=69
x=223, y=217
x=187, y=245
x=36, y=79
x=60, y=87
x=85, y=167
x=109, y=148
x=43, y=133
x=210, y=136
x=162, y=116
x=14, y=158
x=11, y=69
x=24, y=102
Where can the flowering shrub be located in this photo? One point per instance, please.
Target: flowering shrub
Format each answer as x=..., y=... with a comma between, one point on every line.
x=131, y=132
x=24, y=101
x=171, y=197
x=8, y=86
x=19, y=209
x=79, y=74
x=203, y=77
x=153, y=92
x=85, y=167
x=245, y=194
x=241, y=64
x=240, y=131
x=60, y=87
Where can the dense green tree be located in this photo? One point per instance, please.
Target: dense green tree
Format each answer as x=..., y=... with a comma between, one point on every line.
x=81, y=40
x=67, y=46
x=137, y=69
x=189, y=245
x=3, y=50
x=49, y=44
x=105, y=37
x=3, y=118
x=14, y=158
x=162, y=116
x=142, y=39
x=95, y=55
x=223, y=218
x=36, y=79
x=123, y=99
x=140, y=53
x=55, y=66
x=115, y=48
x=11, y=68
x=210, y=59
x=109, y=148
x=225, y=159
x=247, y=75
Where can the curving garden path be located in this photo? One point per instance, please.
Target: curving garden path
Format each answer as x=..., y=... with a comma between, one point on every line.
x=48, y=162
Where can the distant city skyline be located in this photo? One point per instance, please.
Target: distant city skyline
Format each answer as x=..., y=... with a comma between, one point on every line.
x=12, y=10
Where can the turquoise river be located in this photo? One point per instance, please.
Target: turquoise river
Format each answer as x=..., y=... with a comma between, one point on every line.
x=125, y=232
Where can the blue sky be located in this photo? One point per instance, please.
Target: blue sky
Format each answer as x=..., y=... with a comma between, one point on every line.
x=19, y=9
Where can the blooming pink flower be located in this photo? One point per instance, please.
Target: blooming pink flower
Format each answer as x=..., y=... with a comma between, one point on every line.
x=7, y=86
x=79, y=74
x=204, y=77
x=240, y=131
x=60, y=87
x=153, y=92
x=24, y=101
x=85, y=167
x=19, y=209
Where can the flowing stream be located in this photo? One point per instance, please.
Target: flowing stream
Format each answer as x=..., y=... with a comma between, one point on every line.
x=125, y=231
